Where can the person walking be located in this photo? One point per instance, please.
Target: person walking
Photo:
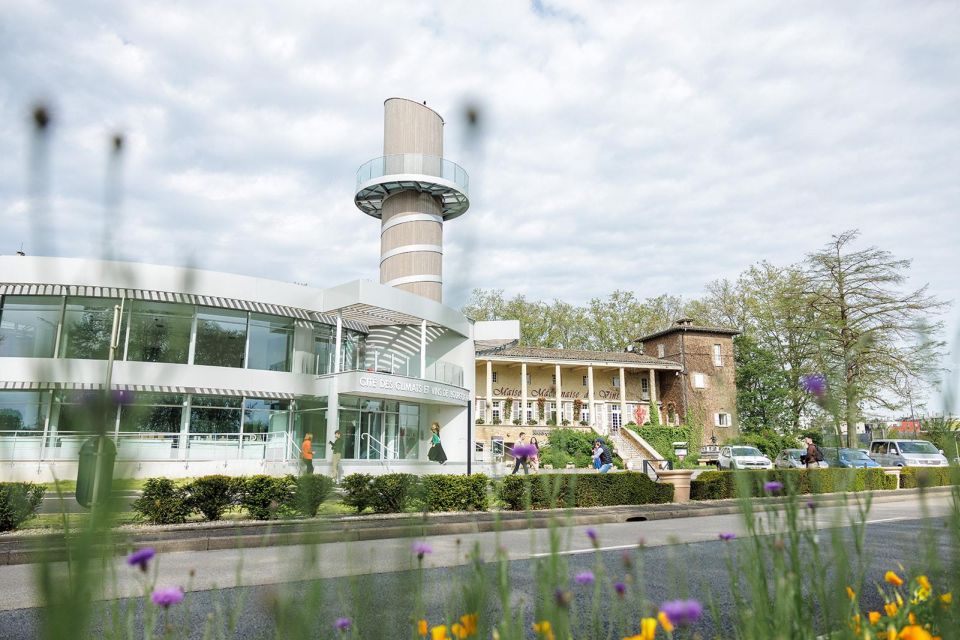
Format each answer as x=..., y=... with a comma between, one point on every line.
x=337, y=447
x=814, y=456
x=534, y=459
x=436, y=452
x=306, y=453
x=602, y=453
x=520, y=453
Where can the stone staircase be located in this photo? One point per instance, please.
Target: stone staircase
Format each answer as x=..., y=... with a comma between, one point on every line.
x=634, y=449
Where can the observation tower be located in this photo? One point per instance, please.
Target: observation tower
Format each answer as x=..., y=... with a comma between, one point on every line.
x=412, y=189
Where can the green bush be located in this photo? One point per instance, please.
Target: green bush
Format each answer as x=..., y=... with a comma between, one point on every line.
x=310, y=492
x=913, y=477
x=19, y=501
x=213, y=495
x=602, y=489
x=162, y=502
x=717, y=485
x=454, y=493
x=357, y=489
x=572, y=445
x=392, y=492
x=267, y=497
x=662, y=438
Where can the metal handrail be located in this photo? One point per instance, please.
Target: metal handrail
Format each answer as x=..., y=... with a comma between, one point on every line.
x=413, y=163
x=382, y=446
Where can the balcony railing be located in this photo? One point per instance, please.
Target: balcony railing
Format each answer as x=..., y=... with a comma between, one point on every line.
x=414, y=163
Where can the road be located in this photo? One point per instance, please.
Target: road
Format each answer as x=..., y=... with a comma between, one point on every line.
x=356, y=579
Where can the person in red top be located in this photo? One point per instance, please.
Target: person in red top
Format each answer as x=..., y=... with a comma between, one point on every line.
x=306, y=451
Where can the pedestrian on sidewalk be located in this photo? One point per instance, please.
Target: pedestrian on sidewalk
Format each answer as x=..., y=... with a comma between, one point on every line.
x=534, y=459
x=602, y=454
x=520, y=453
x=337, y=447
x=813, y=456
x=436, y=452
x=306, y=453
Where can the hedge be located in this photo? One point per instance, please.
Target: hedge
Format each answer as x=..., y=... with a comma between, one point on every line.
x=544, y=491
x=913, y=477
x=19, y=501
x=399, y=492
x=717, y=485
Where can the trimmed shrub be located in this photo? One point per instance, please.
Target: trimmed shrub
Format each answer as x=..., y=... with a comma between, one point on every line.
x=267, y=497
x=913, y=477
x=310, y=492
x=213, y=495
x=559, y=490
x=392, y=492
x=357, y=489
x=717, y=485
x=162, y=502
x=19, y=501
x=572, y=445
x=454, y=493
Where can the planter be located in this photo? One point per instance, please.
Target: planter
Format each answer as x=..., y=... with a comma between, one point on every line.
x=680, y=479
x=893, y=471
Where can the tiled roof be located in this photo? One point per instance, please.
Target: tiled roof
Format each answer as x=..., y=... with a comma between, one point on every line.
x=689, y=328
x=541, y=353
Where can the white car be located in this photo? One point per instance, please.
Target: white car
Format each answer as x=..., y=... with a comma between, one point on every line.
x=743, y=457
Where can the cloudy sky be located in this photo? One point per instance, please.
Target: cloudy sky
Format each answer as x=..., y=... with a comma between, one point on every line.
x=649, y=146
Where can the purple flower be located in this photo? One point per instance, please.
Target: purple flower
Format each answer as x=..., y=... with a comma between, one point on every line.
x=773, y=486
x=584, y=578
x=421, y=549
x=620, y=588
x=166, y=596
x=682, y=612
x=811, y=505
x=342, y=624
x=141, y=557
x=524, y=450
x=814, y=384
x=592, y=534
x=727, y=536
x=122, y=397
x=563, y=598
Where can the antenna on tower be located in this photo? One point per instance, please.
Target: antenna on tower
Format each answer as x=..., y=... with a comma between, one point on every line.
x=20, y=250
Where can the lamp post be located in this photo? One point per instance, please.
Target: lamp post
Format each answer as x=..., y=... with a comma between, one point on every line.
x=111, y=355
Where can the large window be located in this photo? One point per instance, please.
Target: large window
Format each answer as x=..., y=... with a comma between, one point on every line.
x=215, y=415
x=221, y=337
x=271, y=343
x=324, y=349
x=265, y=416
x=152, y=412
x=23, y=410
x=28, y=326
x=377, y=429
x=87, y=325
x=159, y=332
x=82, y=411
x=352, y=349
x=311, y=417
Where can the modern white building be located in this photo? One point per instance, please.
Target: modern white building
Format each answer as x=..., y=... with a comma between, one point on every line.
x=220, y=373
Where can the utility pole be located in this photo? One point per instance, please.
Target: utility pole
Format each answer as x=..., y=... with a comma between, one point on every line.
x=111, y=356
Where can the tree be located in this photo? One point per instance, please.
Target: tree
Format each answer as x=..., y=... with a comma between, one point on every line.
x=763, y=399
x=868, y=331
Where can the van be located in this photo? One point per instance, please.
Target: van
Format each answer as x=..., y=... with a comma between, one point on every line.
x=907, y=453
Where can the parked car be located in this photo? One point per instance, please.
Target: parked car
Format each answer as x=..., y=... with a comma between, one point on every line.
x=789, y=459
x=907, y=453
x=848, y=458
x=743, y=457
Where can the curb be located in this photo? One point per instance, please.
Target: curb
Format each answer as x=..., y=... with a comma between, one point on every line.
x=20, y=549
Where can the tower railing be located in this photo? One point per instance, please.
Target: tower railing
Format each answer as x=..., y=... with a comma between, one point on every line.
x=413, y=163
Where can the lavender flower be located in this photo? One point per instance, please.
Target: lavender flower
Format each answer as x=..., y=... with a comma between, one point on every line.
x=682, y=612
x=773, y=486
x=141, y=557
x=584, y=578
x=811, y=505
x=592, y=534
x=342, y=624
x=421, y=549
x=727, y=536
x=166, y=596
x=524, y=450
x=620, y=588
x=814, y=384
x=122, y=397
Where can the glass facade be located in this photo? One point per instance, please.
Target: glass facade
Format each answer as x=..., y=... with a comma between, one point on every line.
x=375, y=429
x=153, y=412
x=159, y=332
x=271, y=343
x=28, y=326
x=23, y=410
x=324, y=349
x=215, y=414
x=87, y=325
x=221, y=337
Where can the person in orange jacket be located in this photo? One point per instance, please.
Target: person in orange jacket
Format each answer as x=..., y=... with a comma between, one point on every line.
x=306, y=451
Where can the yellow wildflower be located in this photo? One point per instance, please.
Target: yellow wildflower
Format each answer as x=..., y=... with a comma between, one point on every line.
x=891, y=633
x=899, y=600
x=422, y=628
x=946, y=598
x=855, y=623
x=891, y=609
x=874, y=617
x=439, y=633
x=851, y=593
x=665, y=622
x=914, y=632
x=893, y=578
x=544, y=629
x=924, y=583
x=912, y=617
x=648, y=629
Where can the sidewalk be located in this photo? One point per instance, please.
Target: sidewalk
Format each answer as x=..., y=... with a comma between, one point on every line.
x=25, y=548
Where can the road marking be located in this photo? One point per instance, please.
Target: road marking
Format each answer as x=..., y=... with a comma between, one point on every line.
x=574, y=552
x=887, y=520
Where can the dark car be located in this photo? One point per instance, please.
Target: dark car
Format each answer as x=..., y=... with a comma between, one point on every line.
x=848, y=458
